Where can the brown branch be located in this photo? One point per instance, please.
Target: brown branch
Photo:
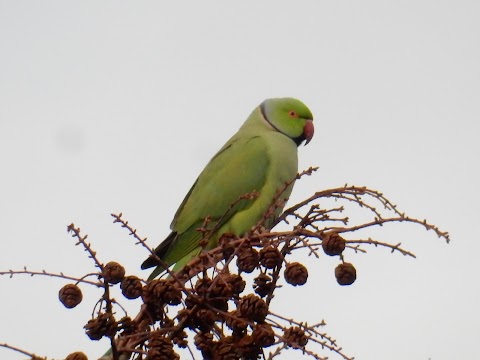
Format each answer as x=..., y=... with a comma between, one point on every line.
x=383, y=244
x=143, y=242
x=381, y=221
x=45, y=273
x=24, y=352
x=87, y=246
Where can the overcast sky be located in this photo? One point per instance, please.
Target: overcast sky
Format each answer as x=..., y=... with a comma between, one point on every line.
x=116, y=106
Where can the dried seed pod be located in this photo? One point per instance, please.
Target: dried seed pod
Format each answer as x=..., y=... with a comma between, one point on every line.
x=185, y=316
x=263, y=335
x=126, y=325
x=219, y=304
x=253, y=308
x=166, y=322
x=156, y=311
x=206, y=317
x=263, y=285
x=113, y=272
x=270, y=257
x=162, y=291
x=226, y=349
x=169, y=292
x=204, y=342
x=103, y=325
x=131, y=287
x=235, y=322
x=295, y=335
x=226, y=285
x=346, y=274
x=70, y=296
x=228, y=249
x=247, y=260
x=202, y=286
x=202, y=319
x=77, y=356
x=180, y=339
x=160, y=348
x=296, y=274
x=192, y=300
x=247, y=347
x=220, y=287
x=333, y=244
x=236, y=282
x=148, y=295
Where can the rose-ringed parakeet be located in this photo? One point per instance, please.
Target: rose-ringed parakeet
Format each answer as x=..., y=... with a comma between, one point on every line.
x=261, y=157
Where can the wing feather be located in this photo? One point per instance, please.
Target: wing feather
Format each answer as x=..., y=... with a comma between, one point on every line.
x=238, y=169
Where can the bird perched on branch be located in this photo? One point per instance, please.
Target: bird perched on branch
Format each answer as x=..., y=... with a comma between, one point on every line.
x=239, y=184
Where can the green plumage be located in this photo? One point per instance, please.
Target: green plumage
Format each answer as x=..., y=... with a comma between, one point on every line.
x=261, y=157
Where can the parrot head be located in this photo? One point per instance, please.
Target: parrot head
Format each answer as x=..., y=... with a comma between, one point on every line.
x=290, y=117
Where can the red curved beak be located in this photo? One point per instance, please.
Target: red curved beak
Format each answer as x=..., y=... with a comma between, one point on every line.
x=308, y=131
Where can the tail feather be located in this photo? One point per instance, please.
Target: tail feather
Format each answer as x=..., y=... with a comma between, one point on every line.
x=160, y=251
x=179, y=265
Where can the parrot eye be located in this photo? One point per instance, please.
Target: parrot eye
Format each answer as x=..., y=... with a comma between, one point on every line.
x=292, y=114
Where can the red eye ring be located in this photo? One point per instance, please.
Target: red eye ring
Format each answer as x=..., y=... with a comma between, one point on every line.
x=292, y=114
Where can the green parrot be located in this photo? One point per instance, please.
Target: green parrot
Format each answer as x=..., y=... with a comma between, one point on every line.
x=261, y=157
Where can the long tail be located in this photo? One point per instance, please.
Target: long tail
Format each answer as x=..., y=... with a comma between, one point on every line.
x=179, y=265
x=160, y=251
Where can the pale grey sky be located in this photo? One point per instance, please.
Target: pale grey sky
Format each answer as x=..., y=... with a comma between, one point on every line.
x=116, y=106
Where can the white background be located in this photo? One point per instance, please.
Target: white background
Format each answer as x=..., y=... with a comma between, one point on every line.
x=116, y=106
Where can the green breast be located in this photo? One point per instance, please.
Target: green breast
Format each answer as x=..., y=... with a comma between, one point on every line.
x=283, y=167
